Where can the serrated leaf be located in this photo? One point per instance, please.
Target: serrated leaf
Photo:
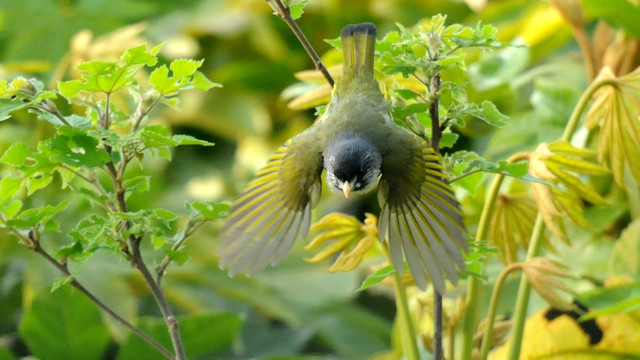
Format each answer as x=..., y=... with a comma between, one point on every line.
x=8, y=189
x=401, y=112
x=448, y=139
x=492, y=115
x=202, y=83
x=190, y=140
x=156, y=136
x=59, y=282
x=298, y=9
x=377, y=277
x=140, y=183
x=32, y=217
x=16, y=155
x=11, y=208
x=406, y=93
x=75, y=148
x=336, y=43
x=180, y=257
x=184, y=67
x=140, y=56
x=37, y=182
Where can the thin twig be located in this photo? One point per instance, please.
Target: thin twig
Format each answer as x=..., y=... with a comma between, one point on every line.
x=135, y=255
x=285, y=14
x=63, y=268
x=34, y=244
x=434, y=112
x=189, y=230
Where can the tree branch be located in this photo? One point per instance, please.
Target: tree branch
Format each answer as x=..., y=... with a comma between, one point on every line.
x=285, y=14
x=34, y=244
x=133, y=251
x=434, y=112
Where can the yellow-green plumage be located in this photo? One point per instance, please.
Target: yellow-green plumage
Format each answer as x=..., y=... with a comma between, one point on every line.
x=420, y=217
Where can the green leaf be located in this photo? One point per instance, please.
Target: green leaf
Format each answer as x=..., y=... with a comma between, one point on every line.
x=467, y=181
x=467, y=161
x=353, y=332
x=109, y=76
x=611, y=300
x=156, y=136
x=11, y=209
x=490, y=114
x=58, y=283
x=75, y=148
x=619, y=13
x=406, y=93
x=203, y=335
x=448, y=139
x=41, y=215
x=190, y=140
x=140, y=56
x=37, y=182
x=298, y=9
x=336, y=43
x=377, y=277
x=64, y=325
x=401, y=112
x=202, y=83
x=625, y=260
x=8, y=189
x=184, y=67
x=209, y=210
x=180, y=257
x=140, y=183
x=16, y=155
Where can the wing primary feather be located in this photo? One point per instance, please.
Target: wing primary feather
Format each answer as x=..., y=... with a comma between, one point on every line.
x=452, y=210
x=449, y=245
x=287, y=240
x=421, y=268
x=383, y=223
x=250, y=251
x=269, y=194
x=453, y=227
x=395, y=244
x=267, y=248
x=430, y=248
x=437, y=226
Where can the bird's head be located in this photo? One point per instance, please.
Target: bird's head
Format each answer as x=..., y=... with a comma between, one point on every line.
x=352, y=163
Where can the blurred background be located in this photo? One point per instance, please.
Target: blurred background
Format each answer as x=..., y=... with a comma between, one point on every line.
x=295, y=308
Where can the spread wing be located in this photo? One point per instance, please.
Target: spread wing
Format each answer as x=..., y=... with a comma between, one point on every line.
x=274, y=209
x=420, y=215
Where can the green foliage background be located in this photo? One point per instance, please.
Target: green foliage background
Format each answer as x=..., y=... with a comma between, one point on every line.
x=295, y=309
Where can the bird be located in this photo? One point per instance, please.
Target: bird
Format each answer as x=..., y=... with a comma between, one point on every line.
x=359, y=147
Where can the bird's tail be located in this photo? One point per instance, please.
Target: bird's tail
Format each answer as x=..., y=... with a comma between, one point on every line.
x=358, y=47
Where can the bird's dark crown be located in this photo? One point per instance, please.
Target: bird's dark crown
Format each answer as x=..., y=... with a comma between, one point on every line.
x=353, y=158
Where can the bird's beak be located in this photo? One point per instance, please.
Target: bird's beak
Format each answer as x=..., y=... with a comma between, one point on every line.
x=346, y=189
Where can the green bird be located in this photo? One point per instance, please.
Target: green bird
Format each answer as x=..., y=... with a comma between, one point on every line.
x=359, y=146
